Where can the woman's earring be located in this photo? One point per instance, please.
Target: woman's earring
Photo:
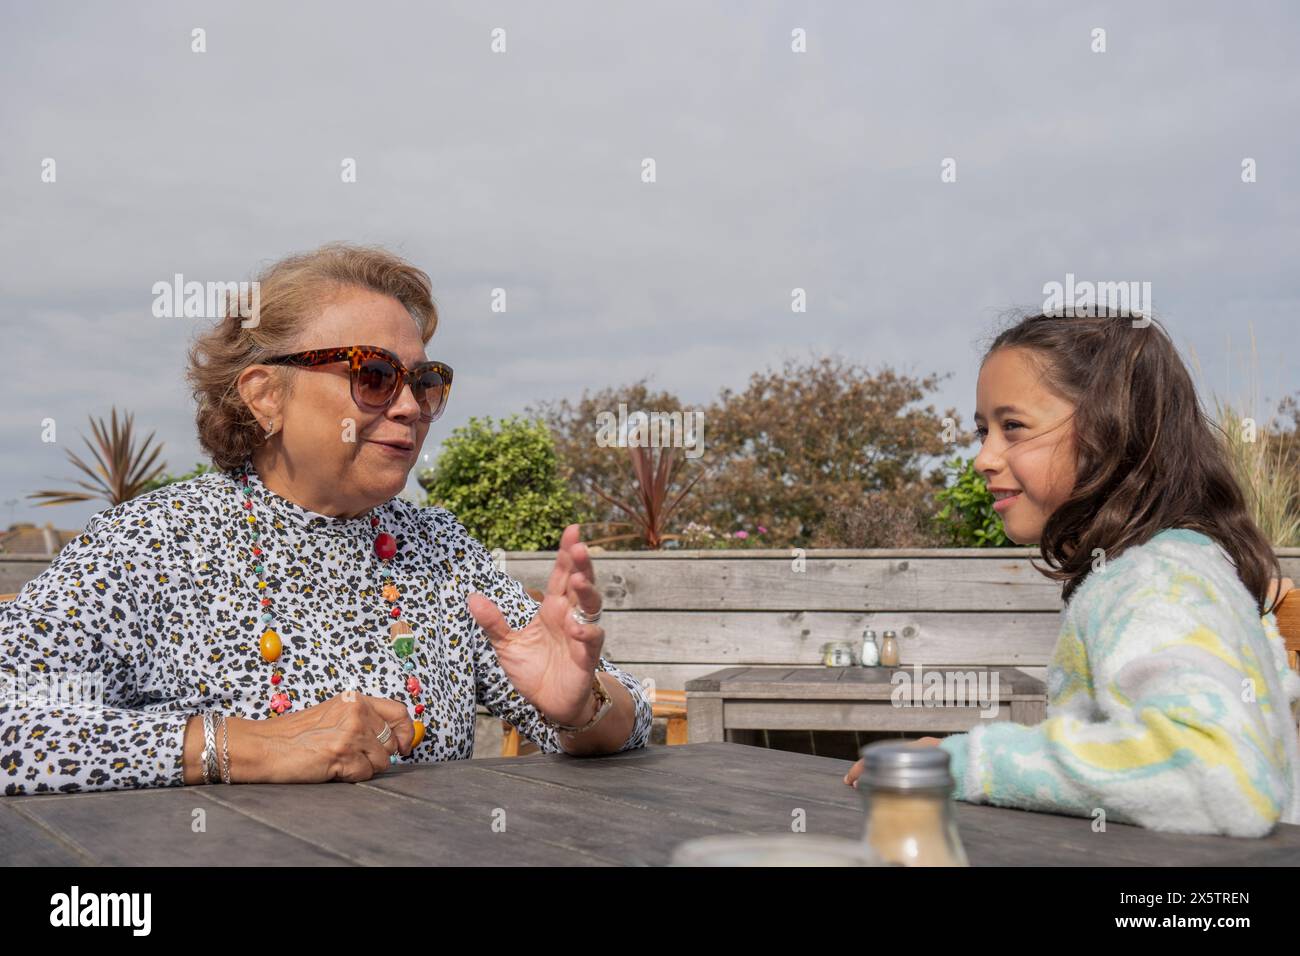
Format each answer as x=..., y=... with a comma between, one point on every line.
x=270, y=427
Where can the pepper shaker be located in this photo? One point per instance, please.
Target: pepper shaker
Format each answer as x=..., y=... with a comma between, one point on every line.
x=889, y=650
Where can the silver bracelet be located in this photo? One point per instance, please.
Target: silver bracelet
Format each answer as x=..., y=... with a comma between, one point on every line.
x=208, y=759
x=225, y=750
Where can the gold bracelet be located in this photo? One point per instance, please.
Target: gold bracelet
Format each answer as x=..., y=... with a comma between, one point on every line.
x=603, y=704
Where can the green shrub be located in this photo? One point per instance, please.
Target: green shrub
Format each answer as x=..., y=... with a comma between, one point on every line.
x=967, y=518
x=163, y=481
x=501, y=480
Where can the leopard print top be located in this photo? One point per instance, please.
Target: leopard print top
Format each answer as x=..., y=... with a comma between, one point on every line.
x=152, y=616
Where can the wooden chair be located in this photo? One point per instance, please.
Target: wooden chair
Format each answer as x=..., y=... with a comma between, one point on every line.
x=1288, y=623
x=7, y=597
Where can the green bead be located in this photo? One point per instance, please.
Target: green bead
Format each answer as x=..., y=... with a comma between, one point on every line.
x=403, y=646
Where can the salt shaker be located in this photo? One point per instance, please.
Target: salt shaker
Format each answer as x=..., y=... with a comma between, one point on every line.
x=870, y=656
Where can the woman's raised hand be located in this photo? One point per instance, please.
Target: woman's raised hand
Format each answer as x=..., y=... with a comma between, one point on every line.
x=551, y=659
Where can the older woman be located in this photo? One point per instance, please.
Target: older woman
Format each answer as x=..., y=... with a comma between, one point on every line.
x=286, y=618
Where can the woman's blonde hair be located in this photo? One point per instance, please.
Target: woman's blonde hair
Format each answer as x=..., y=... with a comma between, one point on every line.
x=291, y=294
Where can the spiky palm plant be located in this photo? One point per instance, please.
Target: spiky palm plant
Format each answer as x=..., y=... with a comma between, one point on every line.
x=655, y=475
x=121, y=470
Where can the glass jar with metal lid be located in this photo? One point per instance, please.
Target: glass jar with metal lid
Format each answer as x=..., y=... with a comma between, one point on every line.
x=907, y=790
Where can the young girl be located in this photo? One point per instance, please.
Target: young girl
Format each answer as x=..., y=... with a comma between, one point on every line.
x=1169, y=697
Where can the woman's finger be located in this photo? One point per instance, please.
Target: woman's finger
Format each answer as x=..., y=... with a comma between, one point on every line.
x=391, y=743
x=489, y=617
x=583, y=595
x=558, y=582
x=581, y=557
x=373, y=750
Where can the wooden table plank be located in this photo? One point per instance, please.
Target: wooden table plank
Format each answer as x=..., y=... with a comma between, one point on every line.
x=711, y=681
x=23, y=840
x=389, y=822
x=154, y=827
x=576, y=822
x=804, y=676
x=992, y=836
x=630, y=808
x=672, y=803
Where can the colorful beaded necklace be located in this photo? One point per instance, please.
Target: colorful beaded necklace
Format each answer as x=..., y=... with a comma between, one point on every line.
x=401, y=638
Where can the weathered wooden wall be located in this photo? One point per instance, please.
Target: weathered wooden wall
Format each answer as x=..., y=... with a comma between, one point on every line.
x=674, y=615
x=671, y=616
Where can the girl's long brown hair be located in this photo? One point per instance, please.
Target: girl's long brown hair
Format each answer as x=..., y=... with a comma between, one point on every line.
x=1148, y=457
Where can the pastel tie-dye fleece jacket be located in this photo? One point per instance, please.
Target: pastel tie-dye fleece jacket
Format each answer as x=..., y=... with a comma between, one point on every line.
x=1170, y=704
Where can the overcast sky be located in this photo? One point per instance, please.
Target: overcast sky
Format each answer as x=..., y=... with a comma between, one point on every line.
x=522, y=170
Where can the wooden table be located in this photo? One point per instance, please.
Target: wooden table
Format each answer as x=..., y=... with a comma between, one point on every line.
x=626, y=809
x=856, y=698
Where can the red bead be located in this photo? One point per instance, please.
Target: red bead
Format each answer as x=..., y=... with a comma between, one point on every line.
x=257, y=551
x=385, y=545
x=266, y=602
x=275, y=678
x=248, y=506
x=412, y=685
x=419, y=709
x=396, y=611
x=374, y=522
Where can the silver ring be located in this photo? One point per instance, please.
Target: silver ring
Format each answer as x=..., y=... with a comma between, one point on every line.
x=385, y=734
x=581, y=617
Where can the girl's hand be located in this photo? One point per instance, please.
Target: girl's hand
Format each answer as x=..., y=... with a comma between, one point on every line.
x=552, y=658
x=851, y=778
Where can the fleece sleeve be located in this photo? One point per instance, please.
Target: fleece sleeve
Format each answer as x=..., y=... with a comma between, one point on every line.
x=1185, y=735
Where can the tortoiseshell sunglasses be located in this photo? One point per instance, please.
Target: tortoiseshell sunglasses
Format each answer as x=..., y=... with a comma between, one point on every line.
x=377, y=376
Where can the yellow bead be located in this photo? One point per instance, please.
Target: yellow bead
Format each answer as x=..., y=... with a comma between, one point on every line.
x=271, y=646
x=419, y=734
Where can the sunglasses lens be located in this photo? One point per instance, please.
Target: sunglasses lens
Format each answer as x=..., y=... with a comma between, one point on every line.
x=431, y=392
x=376, y=381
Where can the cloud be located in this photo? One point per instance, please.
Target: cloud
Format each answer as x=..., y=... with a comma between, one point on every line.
x=521, y=171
